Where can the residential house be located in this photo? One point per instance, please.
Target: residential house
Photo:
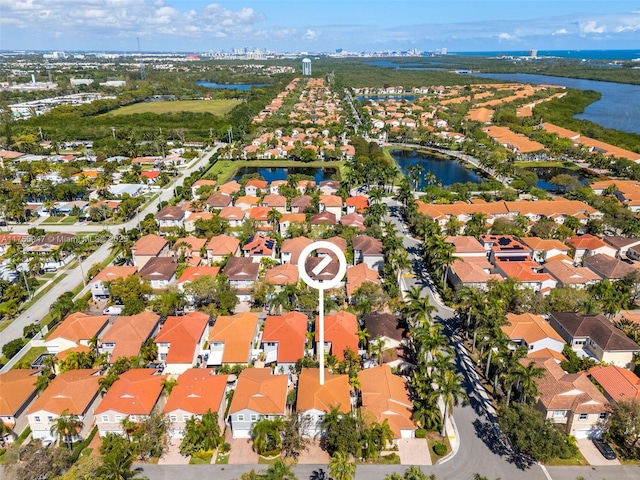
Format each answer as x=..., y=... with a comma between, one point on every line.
x=99, y=284
x=7, y=238
x=528, y=273
x=278, y=202
x=170, y=216
x=291, y=249
x=544, y=249
x=75, y=392
x=255, y=187
x=230, y=187
x=323, y=218
x=357, y=276
x=472, y=271
x=49, y=247
x=569, y=399
x=466, y=247
x=274, y=187
x=134, y=396
x=535, y=333
x=231, y=339
x=221, y=246
x=505, y=247
x=618, y=384
x=246, y=202
x=148, y=247
x=357, y=204
x=587, y=245
x=202, y=185
x=340, y=333
x=608, y=267
x=331, y=204
x=218, y=201
x=314, y=401
x=17, y=392
x=284, y=339
x=190, y=248
x=368, y=250
x=234, y=215
x=261, y=217
x=622, y=244
x=258, y=247
x=329, y=187
x=192, y=273
x=386, y=397
x=354, y=220
x=77, y=329
x=198, y=391
x=595, y=336
x=181, y=340
x=285, y=274
x=386, y=327
x=291, y=218
x=301, y=204
x=160, y=271
x=242, y=273
x=258, y=394
x=569, y=275
x=127, y=334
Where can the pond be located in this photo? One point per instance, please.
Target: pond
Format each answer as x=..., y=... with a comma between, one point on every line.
x=231, y=86
x=281, y=173
x=547, y=173
x=447, y=171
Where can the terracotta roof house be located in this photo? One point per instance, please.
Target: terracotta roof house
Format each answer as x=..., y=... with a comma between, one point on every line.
x=181, y=340
x=274, y=187
x=314, y=401
x=190, y=221
x=234, y=215
x=587, y=245
x=368, y=250
x=230, y=187
x=258, y=394
x=231, y=339
x=192, y=273
x=543, y=249
x=189, y=246
x=466, y=246
x=258, y=247
x=291, y=248
x=329, y=272
x=17, y=391
x=291, y=218
x=147, y=247
x=99, y=283
x=530, y=274
x=358, y=275
x=300, y=204
x=278, y=202
x=595, y=336
x=385, y=395
x=255, y=187
x=198, y=390
x=570, y=399
x=340, y=242
x=329, y=187
x=357, y=204
x=475, y=272
x=569, y=275
x=323, y=218
x=242, y=273
x=354, y=220
x=622, y=244
x=222, y=245
x=160, y=271
x=170, y=216
x=608, y=267
x=218, y=201
x=505, y=247
x=285, y=274
x=134, y=395
x=77, y=329
x=618, y=384
x=391, y=329
x=284, y=339
x=198, y=184
x=127, y=334
x=75, y=392
x=332, y=204
x=340, y=333
x=533, y=332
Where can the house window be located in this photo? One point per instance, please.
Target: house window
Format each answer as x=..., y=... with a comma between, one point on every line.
x=163, y=356
x=241, y=418
x=254, y=417
x=173, y=418
x=602, y=416
x=50, y=418
x=583, y=416
x=558, y=413
x=118, y=418
x=579, y=342
x=132, y=418
x=36, y=419
x=185, y=417
x=105, y=418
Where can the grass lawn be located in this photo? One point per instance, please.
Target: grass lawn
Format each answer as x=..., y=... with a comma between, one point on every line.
x=203, y=458
x=222, y=459
x=266, y=461
x=224, y=170
x=52, y=219
x=30, y=356
x=216, y=107
x=70, y=220
x=578, y=460
x=432, y=439
x=554, y=164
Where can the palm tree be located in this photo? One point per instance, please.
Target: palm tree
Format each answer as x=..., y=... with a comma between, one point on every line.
x=377, y=349
x=319, y=474
x=341, y=467
x=448, y=385
x=419, y=312
x=266, y=434
x=66, y=427
x=527, y=375
x=274, y=217
x=116, y=467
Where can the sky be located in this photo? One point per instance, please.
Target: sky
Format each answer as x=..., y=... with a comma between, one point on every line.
x=318, y=25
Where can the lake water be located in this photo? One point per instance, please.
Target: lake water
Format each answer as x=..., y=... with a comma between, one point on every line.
x=545, y=174
x=231, y=86
x=280, y=173
x=617, y=109
x=445, y=170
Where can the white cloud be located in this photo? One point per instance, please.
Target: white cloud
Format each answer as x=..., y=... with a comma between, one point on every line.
x=592, y=27
x=561, y=31
x=310, y=35
x=506, y=36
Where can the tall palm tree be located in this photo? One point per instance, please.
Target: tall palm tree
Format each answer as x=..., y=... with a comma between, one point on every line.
x=448, y=385
x=419, y=312
x=66, y=427
x=527, y=382
x=116, y=467
x=266, y=434
x=341, y=466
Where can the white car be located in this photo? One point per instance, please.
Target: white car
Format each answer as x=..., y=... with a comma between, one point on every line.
x=113, y=310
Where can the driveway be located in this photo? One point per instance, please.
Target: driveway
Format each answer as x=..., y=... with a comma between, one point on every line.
x=414, y=451
x=314, y=455
x=173, y=457
x=242, y=452
x=593, y=455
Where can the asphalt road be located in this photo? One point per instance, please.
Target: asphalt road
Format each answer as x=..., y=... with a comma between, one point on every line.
x=74, y=276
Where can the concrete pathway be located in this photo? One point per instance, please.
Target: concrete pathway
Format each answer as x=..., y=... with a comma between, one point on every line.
x=593, y=455
x=414, y=451
x=172, y=456
x=242, y=452
x=314, y=455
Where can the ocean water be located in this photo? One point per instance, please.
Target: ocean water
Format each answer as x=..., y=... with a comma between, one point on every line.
x=575, y=54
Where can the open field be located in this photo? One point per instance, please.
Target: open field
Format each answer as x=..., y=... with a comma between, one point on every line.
x=216, y=107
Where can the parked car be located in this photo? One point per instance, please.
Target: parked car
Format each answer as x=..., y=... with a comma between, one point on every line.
x=113, y=310
x=605, y=449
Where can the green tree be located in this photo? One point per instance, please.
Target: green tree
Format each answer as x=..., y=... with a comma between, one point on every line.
x=266, y=435
x=341, y=466
x=624, y=426
x=116, y=466
x=201, y=434
x=130, y=292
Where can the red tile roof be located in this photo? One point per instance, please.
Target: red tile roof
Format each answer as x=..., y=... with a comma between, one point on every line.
x=619, y=383
x=79, y=326
x=290, y=332
x=129, y=333
x=71, y=392
x=136, y=392
x=261, y=392
x=237, y=333
x=197, y=391
x=341, y=329
x=335, y=393
x=182, y=334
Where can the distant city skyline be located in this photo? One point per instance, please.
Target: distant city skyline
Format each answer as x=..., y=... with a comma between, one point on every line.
x=318, y=26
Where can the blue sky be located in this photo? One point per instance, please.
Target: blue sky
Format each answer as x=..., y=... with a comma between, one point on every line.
x=319, y=25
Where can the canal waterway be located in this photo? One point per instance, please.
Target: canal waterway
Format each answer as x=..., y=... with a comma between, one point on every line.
x=231, y=86
x=446, y=170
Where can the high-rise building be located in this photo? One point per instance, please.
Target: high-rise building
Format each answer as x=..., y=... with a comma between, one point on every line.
x=306, y=67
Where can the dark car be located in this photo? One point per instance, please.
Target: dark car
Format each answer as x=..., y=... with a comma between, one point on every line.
x=605, y=449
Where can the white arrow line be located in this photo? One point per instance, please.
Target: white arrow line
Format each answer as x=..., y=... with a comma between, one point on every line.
x=322, y=265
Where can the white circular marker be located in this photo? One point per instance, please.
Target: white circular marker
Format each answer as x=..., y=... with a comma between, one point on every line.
x=324, y=263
